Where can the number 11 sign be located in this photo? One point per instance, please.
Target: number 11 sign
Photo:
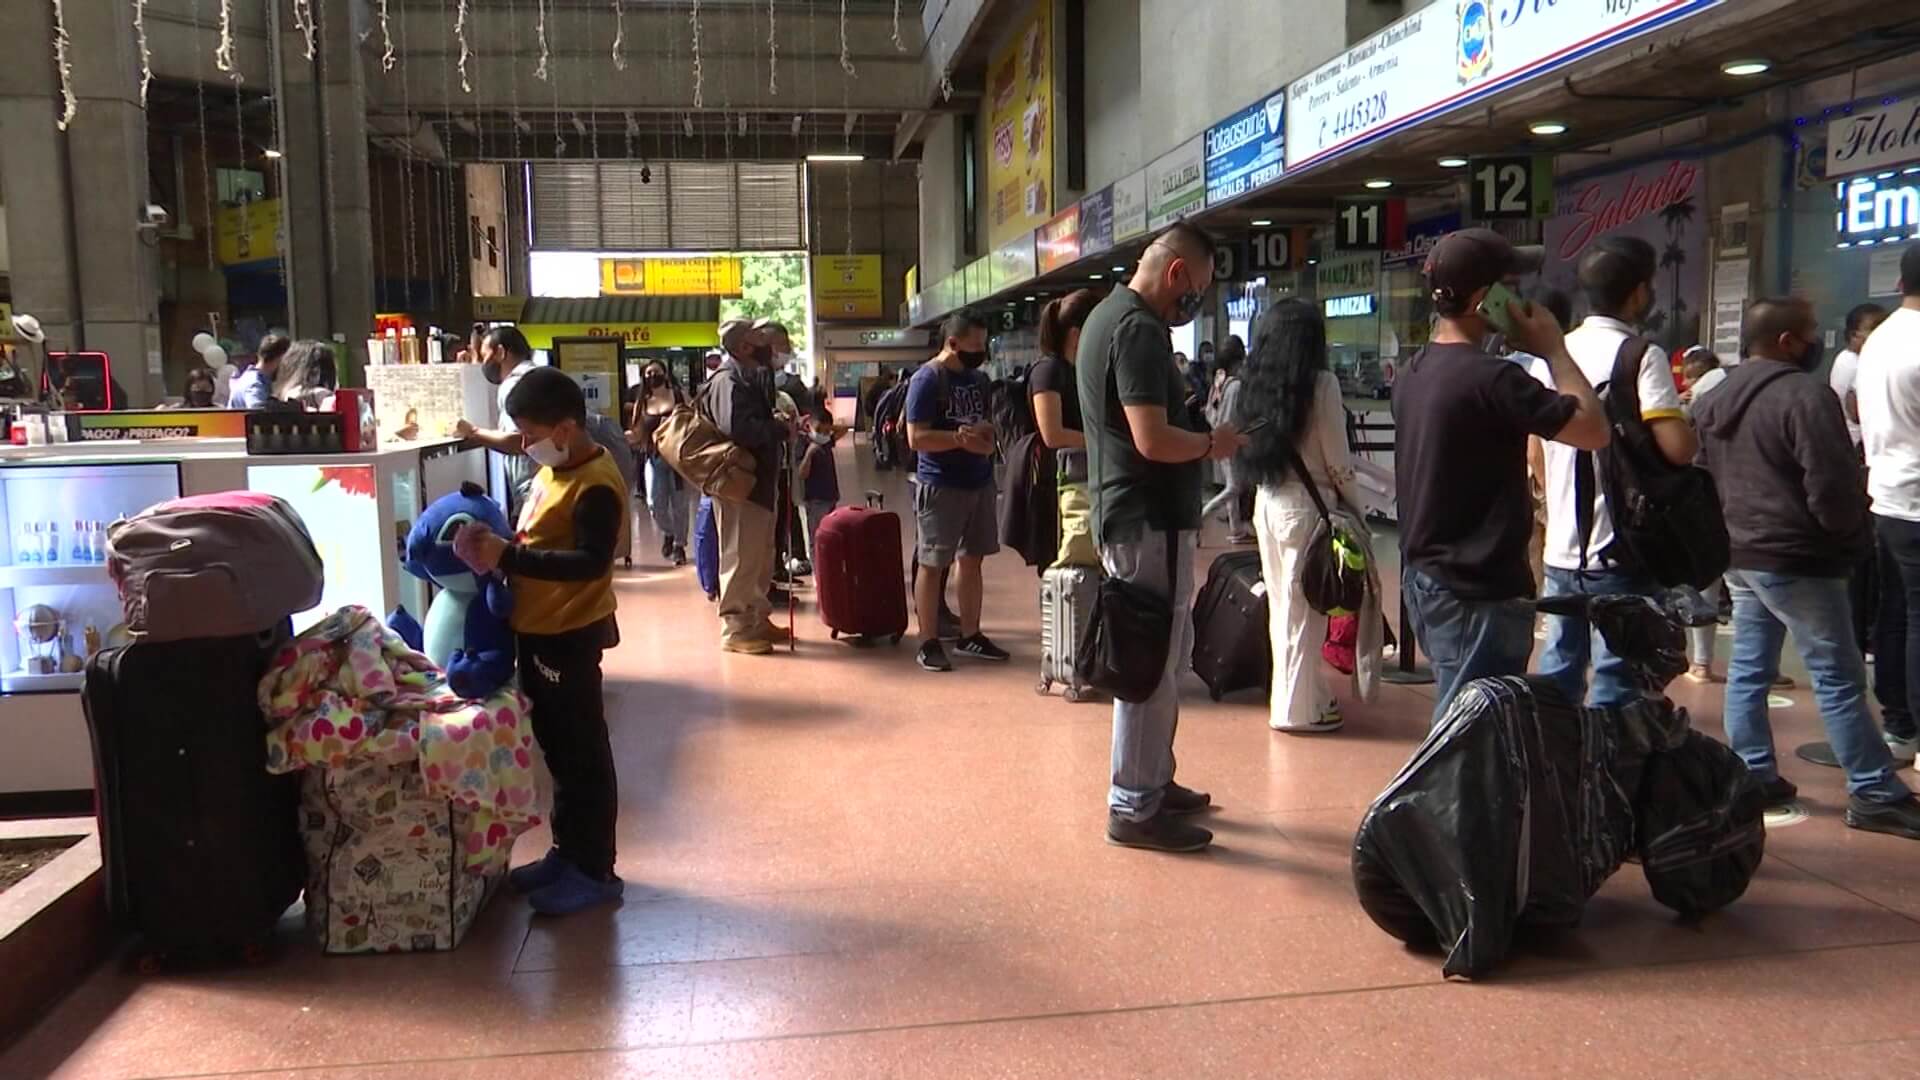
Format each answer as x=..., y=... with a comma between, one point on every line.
x=1369, y=224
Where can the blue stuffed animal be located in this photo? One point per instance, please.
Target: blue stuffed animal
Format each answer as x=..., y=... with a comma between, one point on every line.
x=470, y=641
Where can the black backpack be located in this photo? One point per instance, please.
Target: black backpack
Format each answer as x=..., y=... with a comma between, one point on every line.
x=1011, y=409
x=1667, y=522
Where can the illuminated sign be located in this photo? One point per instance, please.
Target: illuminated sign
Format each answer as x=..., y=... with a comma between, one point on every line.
x=1347, y=307
x=1879, y=208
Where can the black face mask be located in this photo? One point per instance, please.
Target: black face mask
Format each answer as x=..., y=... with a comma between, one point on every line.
x=1810, y=356
x=972, y=359
x=494, y=374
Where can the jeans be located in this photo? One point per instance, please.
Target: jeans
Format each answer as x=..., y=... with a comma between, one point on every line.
x=667, y=499
x=1896, y=636
x=1765, y=607
x=1571, y=641
x=1230, y=498
x=1143, y=734
x=560, y=674
x=1465, y=639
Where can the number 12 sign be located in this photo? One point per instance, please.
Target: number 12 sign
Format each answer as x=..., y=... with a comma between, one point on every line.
x=1515, y=187
x=1369, y=224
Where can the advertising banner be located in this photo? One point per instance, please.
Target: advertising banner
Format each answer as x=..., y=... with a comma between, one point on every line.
x=1129, y=207
x=847, y=288
x=716, y=275
x=1059, y=240
x=248, y=233
x=1658, y=202
x=1246, y=151
x=1020, y=123
x=1096, y=221
x=1012, y=263
x=1880, y=137
x=1449, y=54
x=1177, y=183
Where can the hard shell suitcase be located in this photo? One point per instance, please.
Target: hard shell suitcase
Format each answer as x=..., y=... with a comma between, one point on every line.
x=706, y=549
x=200, y=845
x=857, y=572
x=1231, y=647
x=1066, y=603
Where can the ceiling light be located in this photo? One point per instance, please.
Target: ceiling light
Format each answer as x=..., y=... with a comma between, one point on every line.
x=836, y=157
x=1313, y=262
x=1262, y=223
x=1453, y=163
x=1742, y=69
x=1379, y=184
x=271, y=154
x=1096, y=277
x=1119, y=269
x=1033, y=298
x=1547, y=127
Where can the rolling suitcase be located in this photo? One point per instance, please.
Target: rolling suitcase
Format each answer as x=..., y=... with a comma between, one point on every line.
x=1231, y=647
x=1066, y=602
x=200, y=846
x=857, y=574
x=706, y=549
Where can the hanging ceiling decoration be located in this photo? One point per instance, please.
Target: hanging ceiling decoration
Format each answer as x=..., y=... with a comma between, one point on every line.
x=540, y=31
x=773, y=54
x=387, y=59
x=61, y=43
x=694, y=18
x=846, y=59
x=303, y=22
x=619, y=35
x=460, y=34
x=146, y=55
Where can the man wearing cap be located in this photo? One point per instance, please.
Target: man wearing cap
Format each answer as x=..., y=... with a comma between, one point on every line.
x=1616, y=275
x=738, y=400
x=1462, y=418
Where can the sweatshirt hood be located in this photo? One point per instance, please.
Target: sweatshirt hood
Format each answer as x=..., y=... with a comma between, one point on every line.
x=1721, y=414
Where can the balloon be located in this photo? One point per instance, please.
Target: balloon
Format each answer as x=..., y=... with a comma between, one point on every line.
x=203, y=341
x=213, y=356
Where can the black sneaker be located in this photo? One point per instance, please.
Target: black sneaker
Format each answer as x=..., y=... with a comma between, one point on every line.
x=666, y=547
x=980, y=648
x=933, y=658
x=1158, y=833
x=1778, y=792
x=679, y=555
x=1177, y=799
x=1893, y=818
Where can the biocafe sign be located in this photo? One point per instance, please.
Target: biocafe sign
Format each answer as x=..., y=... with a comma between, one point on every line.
x=1877, y=138
x=1449, y=54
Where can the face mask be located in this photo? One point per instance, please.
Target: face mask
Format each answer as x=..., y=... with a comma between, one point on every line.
x=493, y=374
x=973, y=359
x=821, y=438
x=1187, y=307
x=547, y=452
x=1810, y=356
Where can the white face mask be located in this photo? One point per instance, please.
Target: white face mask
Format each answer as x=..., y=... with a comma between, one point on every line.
x=547, y=452
x=821, y=438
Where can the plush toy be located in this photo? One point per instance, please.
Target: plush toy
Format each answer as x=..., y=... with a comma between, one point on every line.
x=469, y=639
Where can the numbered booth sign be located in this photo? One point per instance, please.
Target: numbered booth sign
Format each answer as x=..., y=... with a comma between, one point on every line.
x=1510, y=188
x=1369, y=224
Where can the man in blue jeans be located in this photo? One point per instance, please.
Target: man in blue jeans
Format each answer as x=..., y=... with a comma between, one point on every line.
x=1616, y=274
x=1776, y=442
x=1462, y=418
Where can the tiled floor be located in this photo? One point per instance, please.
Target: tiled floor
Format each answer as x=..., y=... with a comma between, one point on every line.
x=841, y=866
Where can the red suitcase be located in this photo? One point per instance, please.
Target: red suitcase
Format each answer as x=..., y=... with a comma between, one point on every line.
x=857, y=572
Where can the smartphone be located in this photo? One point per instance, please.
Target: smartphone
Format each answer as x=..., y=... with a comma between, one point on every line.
x=1494, y=307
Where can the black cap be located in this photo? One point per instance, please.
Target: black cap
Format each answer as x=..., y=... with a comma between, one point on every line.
x=1466, y=261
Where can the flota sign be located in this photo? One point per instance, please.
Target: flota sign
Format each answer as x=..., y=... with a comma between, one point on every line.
x=1453, y=53
x=1176, y=184
x=1247, y=150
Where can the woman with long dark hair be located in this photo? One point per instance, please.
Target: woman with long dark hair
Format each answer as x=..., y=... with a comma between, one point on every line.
x=1055, y=393
x=667, y=495
x=1228, y=407
x=1288, y=383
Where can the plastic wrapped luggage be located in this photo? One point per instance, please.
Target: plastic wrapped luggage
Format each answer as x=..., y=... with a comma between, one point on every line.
x=1702, y=826
x=1232, y=648
x=385, y=870
x=199, y=844
x=857, y=572
x=1066, y=603
x=706, y=548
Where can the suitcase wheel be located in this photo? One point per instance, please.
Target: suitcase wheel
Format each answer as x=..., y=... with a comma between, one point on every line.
x=626, y=562
x=897, y=637
x=1212, y=693
x=1076, y=695
x=833, y=635
x=1044, y=687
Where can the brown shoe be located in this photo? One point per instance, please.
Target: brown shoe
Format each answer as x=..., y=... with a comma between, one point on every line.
x=747, y=646
x=774, y=634
x=1701, y=673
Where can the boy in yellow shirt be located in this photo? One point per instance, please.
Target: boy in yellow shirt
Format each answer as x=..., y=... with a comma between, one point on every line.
x=560, y=567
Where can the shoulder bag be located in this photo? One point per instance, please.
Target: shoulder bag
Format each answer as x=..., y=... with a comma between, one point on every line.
x=1333, y=572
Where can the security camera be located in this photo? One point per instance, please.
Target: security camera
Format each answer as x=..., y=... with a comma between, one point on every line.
x=155, y=216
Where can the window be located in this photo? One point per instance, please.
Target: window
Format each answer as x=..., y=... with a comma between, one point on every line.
x=667, y=206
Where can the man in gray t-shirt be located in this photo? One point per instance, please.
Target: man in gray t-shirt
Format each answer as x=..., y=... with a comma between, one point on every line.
x=1143, y=478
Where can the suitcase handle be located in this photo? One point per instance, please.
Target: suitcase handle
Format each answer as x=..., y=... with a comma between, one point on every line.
x=876, y=500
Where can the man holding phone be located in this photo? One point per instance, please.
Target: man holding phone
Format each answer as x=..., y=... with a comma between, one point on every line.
x=1462, y=418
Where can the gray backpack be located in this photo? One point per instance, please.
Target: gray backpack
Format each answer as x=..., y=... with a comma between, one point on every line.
x=219, y=565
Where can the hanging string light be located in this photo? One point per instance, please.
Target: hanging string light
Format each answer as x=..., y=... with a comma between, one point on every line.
x=146, y=57
x=946, y=85
x=898, y=45
x=61, y=43
x=223, y=52
x=773, y=54
x=695, y=19
x=303, y=22
x=540, y=32
x=559, y=132
x=460, y=34
x=846, y=60
x=387, y=59
x=206, y=170
x=619, y=35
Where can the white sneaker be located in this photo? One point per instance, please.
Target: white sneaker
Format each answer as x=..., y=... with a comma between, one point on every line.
x=1904, y=750
x=1328, y=720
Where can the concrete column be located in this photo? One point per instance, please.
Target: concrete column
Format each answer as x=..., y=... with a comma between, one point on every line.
x=323, y=180
x=74, y=201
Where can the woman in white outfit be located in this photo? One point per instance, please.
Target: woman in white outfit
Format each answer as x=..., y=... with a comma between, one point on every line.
x=1226, y=407
x=1288, y=384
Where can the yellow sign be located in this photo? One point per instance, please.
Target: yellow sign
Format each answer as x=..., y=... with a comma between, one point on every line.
x=248, y=233
x=498, y=308
x=1020, y=123
x=913, y=279
x=595, y=364
x=846, y=288
x=716, y=275
x=636, y=335
x=6, y=321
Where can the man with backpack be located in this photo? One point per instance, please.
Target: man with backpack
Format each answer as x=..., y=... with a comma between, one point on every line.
x=1776, y=442
x=1581, y=554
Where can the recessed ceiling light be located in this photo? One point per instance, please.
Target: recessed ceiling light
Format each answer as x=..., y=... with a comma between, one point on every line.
x=1313, y=262
x=1262, y=223
x=1033, y=298
x=835, y=158
x=1547, y=127
x=1453, y=163
x=1741, y=69
x=270, y=154
x=1096, y=277
x=1379, y=184
x=1119, y=269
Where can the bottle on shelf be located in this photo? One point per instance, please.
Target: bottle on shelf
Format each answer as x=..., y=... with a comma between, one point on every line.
x=50, y=543
x=97, y=540
x=78, y=551
x=26, y=546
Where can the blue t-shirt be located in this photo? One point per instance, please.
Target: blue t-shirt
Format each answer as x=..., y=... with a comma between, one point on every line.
x=965, y=403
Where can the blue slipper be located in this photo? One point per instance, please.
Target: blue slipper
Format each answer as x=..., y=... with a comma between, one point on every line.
x=538, y=874
x=574, y=891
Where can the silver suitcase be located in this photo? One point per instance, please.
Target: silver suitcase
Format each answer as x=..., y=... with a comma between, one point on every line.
x=1066, y=602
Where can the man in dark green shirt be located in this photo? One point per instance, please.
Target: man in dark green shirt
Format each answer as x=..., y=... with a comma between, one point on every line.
x=1144, y=451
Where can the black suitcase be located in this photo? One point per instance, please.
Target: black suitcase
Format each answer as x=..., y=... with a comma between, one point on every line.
x=1231, y=647
x=200, y=847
